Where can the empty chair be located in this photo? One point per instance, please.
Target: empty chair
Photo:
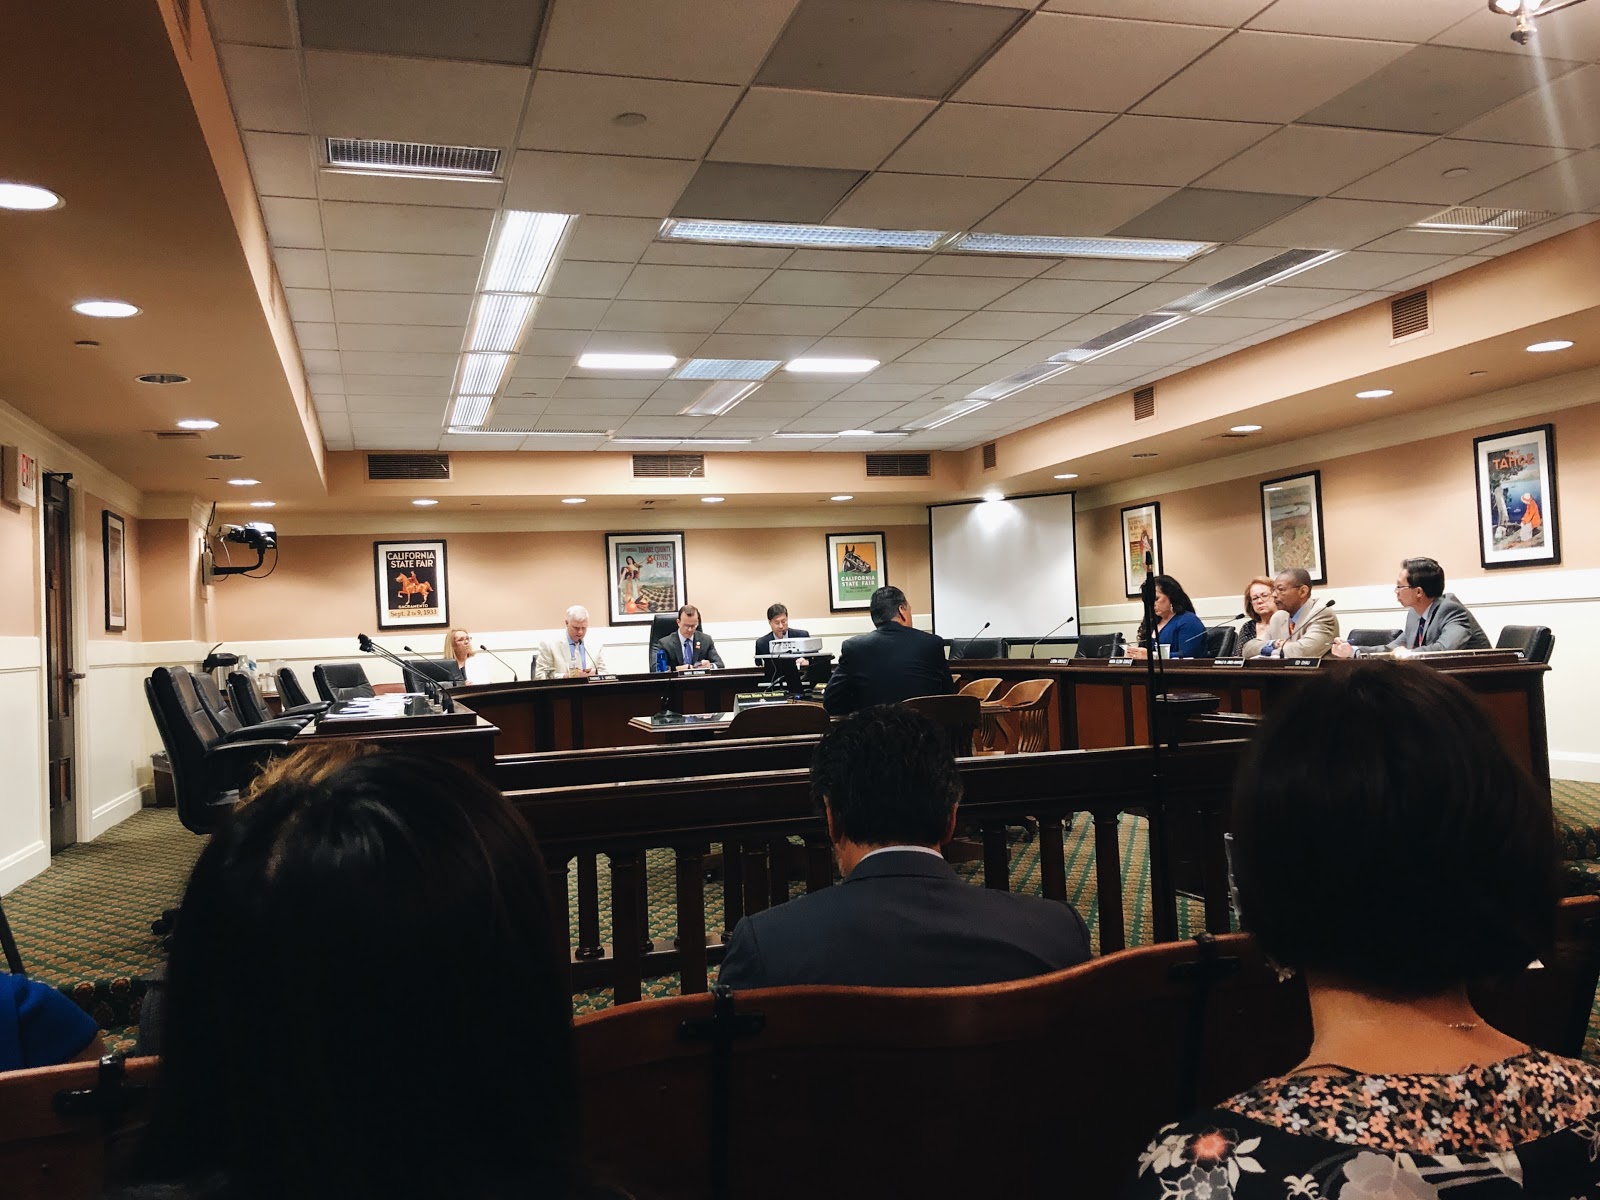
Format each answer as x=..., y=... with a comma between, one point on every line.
x=1023, y=716
x=293, y=694
x=1220, y=641
x=227, y=722
x=1371, y=637
x=977, y=648
x=959, y=715
x=251, y=707
x=341, y=681
x=981, y=688
x=1535, y=641
x=776, y=720
x=1098, y=645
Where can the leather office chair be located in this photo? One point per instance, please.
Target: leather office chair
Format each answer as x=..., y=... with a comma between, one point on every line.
x=341, y=681
x=1098, y=645
x=1536, y=642
x=1372, y=637
x=1220, y=641
x=977, y=648
x=227, y=723
x=776, y=720
x=660, y=625
x=250, y=706
x=292, y=693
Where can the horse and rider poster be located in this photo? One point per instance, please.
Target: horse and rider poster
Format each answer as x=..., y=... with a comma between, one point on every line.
x=856, y=569
x=412, y=590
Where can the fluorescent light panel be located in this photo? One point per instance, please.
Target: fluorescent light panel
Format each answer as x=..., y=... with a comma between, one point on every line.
x=1294, y=262
x=950, y=412
x=469, y=410
x=1025, y=378
x=831, y=366
x=775, y=233
x=682, y=441
x=719, y=397
x=498, y=322
x=1125, y=334
x=525, y=248
x=727, y=368
x=626, y=362
x=1160, y=250
x=482, y=374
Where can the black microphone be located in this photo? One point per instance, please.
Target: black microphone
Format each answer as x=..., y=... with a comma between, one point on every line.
x=499, y=660
x=362, y=640
x=971, y=639
x=1041, y=638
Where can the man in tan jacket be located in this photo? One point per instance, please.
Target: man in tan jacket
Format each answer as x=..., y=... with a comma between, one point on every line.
x=1301, y=628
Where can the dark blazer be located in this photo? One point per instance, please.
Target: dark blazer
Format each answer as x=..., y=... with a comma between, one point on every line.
x=764, y=642
x=673, y=645
x=886, y=666
x=1450, y=627
x=904, y=919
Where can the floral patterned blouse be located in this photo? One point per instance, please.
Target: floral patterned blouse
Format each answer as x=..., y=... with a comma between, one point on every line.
x=1524, y=1127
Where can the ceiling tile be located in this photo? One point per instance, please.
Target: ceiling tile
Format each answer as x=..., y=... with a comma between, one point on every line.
x=588, y=401
x=883, y=47
x=396, y=385
x=258, y=22
x=1563, y=187
x=1221, y=263
x=747, y=192
x=817, y=129
x=1005, y=325
x=611, y=239
x=1452, y=267
x=689, y=254
x=1149, y=298
x=1200, y=214
x=411, y=308
x=944, y=291
x=1122, y=269
x=1572, y=34
x=682, y=316
x=1362, y=269
x=884, y=349
x=988, y=139
x=681, y=344
x=1420, y=177
x=1157, y=150
x=1434, y=241
x=960, y=350
x=317, y=335
x=1539, y=233
x=929, y=374
x=574, y=112
x=1058, y=60
x=604, y=389
x=1564, y=113
x=815, y=320
x=301, y=268
x=357, y=270
x=852, y=288
x=664, y=39
x=727, y=284
x=377, y=96
x=897, y=322
x=589, y=280
x=797, y=397
x=497, y=31
x=1062, y=296
x=542, y=366
x=1072, y=209
x=755, y=345
x=433, y=404
x=544, y=181
x=1311, y=160
x=406, y=228
x=1285, y=302
x=1227, y=13
x=1339, y=224
x=432, y=366
x=885, y=262
x=282, y=164
x=1434, y=89
x=264, y=85
x=292, y=222
x=569, y=342
x=1413, y=21
x=427, y=339
x=569, y=314
x=999, y=266
x=440, y=193
x=943, y=202
x=1269, y=76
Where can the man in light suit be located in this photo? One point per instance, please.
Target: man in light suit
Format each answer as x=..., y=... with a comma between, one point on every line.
x=570, y=654
x=1435, y=620
x=892, y=663
x=1301, y=628
x=886, y=783
x=689, y=649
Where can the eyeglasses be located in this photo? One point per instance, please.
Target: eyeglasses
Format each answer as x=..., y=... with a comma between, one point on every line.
x=1404, y=587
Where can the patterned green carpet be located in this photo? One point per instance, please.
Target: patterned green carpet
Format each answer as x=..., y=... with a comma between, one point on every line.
x=84, y=924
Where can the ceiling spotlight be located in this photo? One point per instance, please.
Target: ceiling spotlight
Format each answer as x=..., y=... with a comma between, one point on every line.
x=1546, y=347
x=1374, y=394
x=711, y=499
x=1524, y=11
x=263, y=504
x=424, y=503
x=575, y=500
x=839, y=498
x=27, y=197
x=1068, y=475
x=105, y=308
x=196, y=423
x=1245, y=429
x=244, y=482
x=993, y=497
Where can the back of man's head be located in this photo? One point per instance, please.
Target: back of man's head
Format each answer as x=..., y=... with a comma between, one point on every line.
x=888, y=776
x=886, y=604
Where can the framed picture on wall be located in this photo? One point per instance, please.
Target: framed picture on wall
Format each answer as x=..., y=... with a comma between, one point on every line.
x=412, y=585
x=645, y=576
x=1291, y=524
x=1141, y=534
x=857, y=567
x=113, y=546
x=1517, y=520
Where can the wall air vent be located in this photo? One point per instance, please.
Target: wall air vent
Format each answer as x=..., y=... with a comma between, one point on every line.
x=988, y=456
x=411, y=158
x=1144, y=402
x=899, y=466
x=669, y=466
x=1409, y=316
x=407, y=466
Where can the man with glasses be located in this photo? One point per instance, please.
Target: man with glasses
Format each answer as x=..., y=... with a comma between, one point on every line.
x=1301, y=628
x=1435, y=620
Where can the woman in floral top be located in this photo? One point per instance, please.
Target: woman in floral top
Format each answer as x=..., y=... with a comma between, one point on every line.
x=1386, y=847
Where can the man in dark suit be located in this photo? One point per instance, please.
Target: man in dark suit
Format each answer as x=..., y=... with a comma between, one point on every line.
x=688, y=648
x=890, y=664
x=778, y=622
x=1435, y=620
x=887, y=786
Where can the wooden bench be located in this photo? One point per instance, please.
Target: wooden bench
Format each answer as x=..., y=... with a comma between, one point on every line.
x=619, y=764
x=63, y=1128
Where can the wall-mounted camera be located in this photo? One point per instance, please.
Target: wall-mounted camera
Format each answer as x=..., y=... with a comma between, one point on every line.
x=257, y=535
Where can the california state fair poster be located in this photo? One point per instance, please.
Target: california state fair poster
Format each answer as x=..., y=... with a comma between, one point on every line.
x=413, y=592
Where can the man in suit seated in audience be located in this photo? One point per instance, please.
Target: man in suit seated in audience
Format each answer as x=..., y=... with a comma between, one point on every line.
x=892, y=663
x=689, y=648
x=562, y=656
x=1301, y=628
x=887, y=785
x=1435, y=620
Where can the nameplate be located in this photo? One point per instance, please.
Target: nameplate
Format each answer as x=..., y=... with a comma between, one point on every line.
x=1119, y=662
x=1302, y=662
x=602, y=678
x=1059, y=662
x=1227, y=662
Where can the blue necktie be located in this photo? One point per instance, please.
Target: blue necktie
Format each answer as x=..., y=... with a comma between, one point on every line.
x=688, y=652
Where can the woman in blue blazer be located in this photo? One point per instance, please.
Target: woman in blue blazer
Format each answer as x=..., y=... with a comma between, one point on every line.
x=1176, y=623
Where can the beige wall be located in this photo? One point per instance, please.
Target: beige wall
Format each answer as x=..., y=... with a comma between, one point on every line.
x=95, y=576
x=19, y=555
x=166, y=574
x=1378, y=507
x=323, y=585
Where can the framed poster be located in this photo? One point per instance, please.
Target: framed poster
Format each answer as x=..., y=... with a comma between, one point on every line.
x=857, y=567
x=1141, y=532
x=113, y=545
x=413, y=590
x=1517, y=522
x=1291, y=524
x=645, y=576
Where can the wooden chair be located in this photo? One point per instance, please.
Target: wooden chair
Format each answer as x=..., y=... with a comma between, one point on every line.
x=1022, y=716
x=958, y=714
x=61, y=1126
x=984, y=736
x=778, y=720
x=981, y=688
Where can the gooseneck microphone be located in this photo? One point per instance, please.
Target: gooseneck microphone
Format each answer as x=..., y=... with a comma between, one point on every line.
x=501, y=661
x=970, y=640
x=1041, y=637
x=434, y=691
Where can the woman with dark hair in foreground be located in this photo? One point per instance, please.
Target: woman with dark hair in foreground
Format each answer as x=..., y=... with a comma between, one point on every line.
x=364, y=996
x=1387, y=848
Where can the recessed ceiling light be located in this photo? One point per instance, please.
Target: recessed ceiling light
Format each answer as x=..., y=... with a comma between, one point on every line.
x=712, y=499
x=777, y=233
x=105, y=308
x=244, y=482
x=629, y=119
x=1457, y=172
x=1068, y=475
x=1546, y=347
x=1146, y=454
x=224, y=457
x=497, y=322
x=1477, y=374
x=468, y=411
x=727, y=368
x=855, y=433
x=1162, y=250
x=1244, y=429
x=27, y=197
x=684, y=441
x=992, y=497
x=424, y=503
x=836, y=499
x=831, y=366
x=86, y=344
x=627, y=362
x=159, y=377
x=1374, y=394
x=575, y=500
x=263, y=504
x=196, y=423
x=524, y=251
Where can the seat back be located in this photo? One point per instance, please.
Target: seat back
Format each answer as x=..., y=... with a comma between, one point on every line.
x=1372, y=637
x=1536, y=642
x=1098, y=645
x=1028, y=715
x=187, y=735
x=981, y=688
x=61, y=1126
x=777, y=720
x=341, y=681
x=1550, y=1008
x=248, y=704
x=216, y=708
x=958, y=715
x=290, y=690
x=660, y=625
x=1220, y=641
x=977, y=648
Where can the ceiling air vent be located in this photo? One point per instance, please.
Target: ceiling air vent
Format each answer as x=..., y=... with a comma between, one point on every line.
x=1469, y=218
x=669, y=466
x=988, y=456
x=416, y=157
x=1408, y=315
x=174, y=435
x=899, y=466
x=1144, y=402
x=408, y=466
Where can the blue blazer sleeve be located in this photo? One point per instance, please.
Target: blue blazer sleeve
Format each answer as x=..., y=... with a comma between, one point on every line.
x=1185, y=634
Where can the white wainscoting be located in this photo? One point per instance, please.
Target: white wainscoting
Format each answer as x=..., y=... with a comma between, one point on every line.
x=24, y=802
x=1567, y=601
x=116, y=734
